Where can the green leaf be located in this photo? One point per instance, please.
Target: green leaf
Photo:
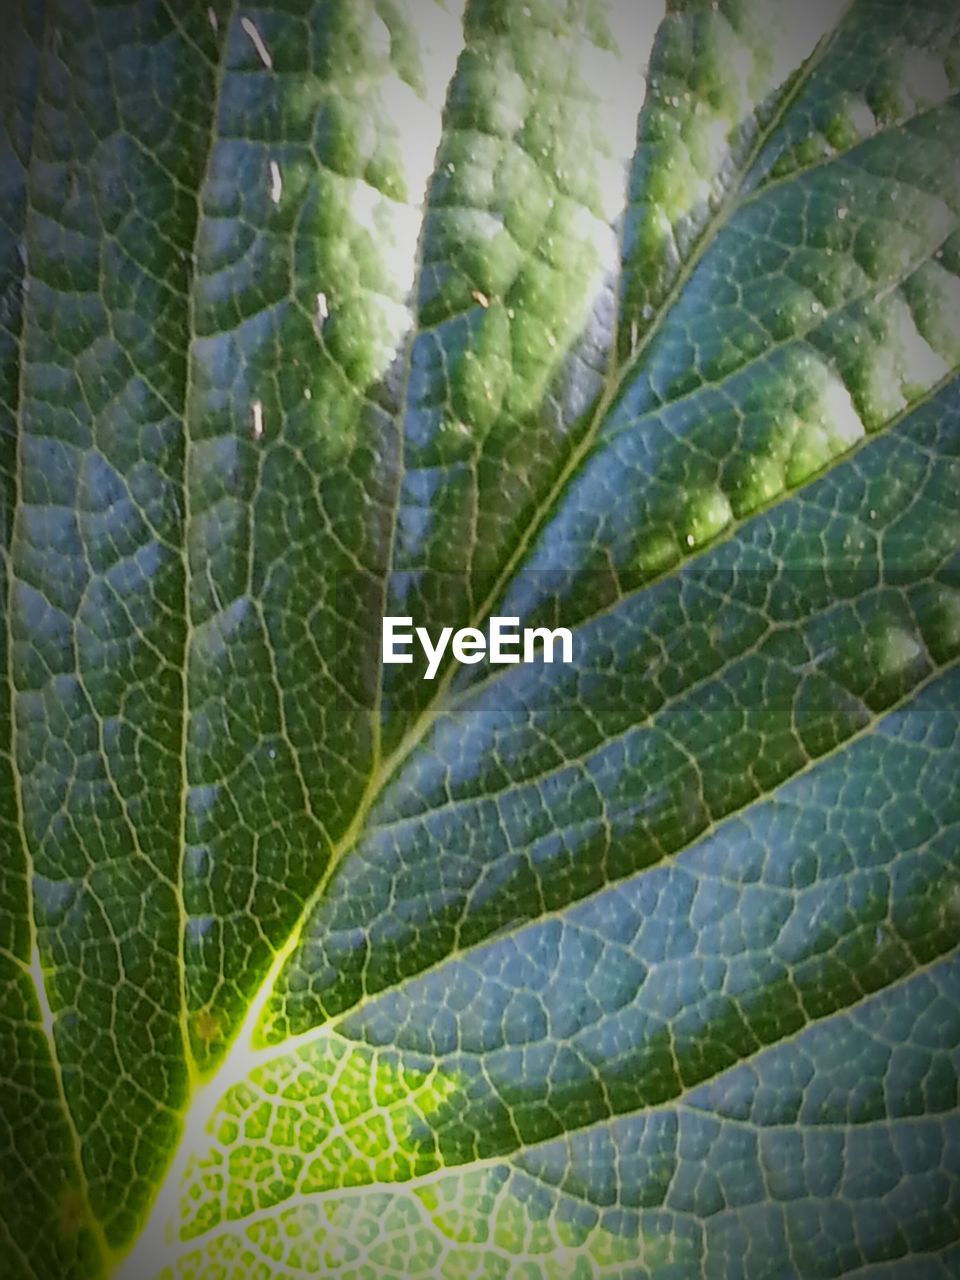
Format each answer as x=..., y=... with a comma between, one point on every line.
x=641, y=323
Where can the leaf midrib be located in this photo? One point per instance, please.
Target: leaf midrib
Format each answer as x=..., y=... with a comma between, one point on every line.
x=221, y=35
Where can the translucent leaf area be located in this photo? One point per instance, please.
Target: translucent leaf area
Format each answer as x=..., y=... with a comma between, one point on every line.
x=639, y=319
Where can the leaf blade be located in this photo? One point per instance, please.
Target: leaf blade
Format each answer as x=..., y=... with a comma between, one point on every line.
x=432, y=964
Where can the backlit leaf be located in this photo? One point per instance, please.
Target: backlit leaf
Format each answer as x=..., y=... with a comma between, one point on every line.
x=641, y=320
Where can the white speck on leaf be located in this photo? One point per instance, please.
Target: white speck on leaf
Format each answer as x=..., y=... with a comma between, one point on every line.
x=256, y=38
x=807, y=668
x=276, y=182
x=322, y=309
x=481, y=298
x=256, y=428
x=212, y=18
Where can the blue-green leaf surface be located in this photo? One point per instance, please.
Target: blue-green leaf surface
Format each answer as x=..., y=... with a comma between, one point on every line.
x=639, y=320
